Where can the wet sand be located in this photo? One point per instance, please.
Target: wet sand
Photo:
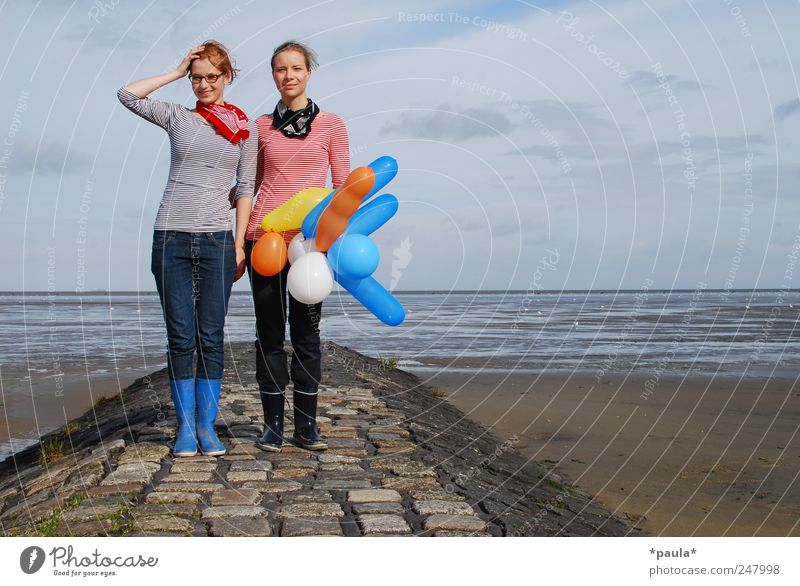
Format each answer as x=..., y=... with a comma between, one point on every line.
x=44, y=407
x=704, y=456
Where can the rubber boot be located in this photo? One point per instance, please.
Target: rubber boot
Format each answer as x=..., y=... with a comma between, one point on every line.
x=272, y=440
x=207, y=396
x=183, y=397
x=306, y=433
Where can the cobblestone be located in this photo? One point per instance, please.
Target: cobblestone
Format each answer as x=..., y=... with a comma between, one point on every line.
x=234, y=511
x=375, y=495
x=240, y=527
x=301, y=527
x=454, y=523
x=383, y=525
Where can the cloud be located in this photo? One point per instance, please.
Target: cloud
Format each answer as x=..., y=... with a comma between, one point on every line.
x=575, y=120
x=445, y=123
x=647, y=82
x=706, y=150
x=790, y=108
x=49, y=158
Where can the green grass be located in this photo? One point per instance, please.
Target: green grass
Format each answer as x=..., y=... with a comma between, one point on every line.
x=388, y=362
x=438, y=393
x=48, y=525
x=52, y=451
x=564, y=488
x=555, y=503
x=70, y=428
x=103, y=401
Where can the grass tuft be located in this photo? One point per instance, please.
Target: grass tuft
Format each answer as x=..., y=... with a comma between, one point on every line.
x=52, y=451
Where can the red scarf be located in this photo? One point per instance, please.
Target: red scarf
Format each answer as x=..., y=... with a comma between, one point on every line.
x=229, y=120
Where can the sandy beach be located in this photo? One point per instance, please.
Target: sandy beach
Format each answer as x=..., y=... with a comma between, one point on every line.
x=705, y=456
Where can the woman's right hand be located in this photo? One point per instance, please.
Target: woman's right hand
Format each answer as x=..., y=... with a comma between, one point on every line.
x=193, y=54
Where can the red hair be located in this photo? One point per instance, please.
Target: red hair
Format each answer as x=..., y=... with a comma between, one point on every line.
x=219, y=57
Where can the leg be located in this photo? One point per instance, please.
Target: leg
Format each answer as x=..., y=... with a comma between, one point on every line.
x=306, y=353
x=214, y=269
x=306, y=372
x=171, y=266
x=272, y=374
x=215, y=272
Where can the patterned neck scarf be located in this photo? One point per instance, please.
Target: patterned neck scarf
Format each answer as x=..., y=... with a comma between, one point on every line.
x=294, y=123
x=229, y=120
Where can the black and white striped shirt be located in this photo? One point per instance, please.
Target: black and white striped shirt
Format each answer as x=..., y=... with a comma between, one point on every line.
x=203, y=165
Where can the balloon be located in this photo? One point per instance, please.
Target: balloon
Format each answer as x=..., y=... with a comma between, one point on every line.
x=373, y=215
x=385, y=168
x=354, y=256
x=375, y=298
x=269, y=254
x=300, y=246
x=290, y=214
x=310, y=280
x=333, y=221
x=310, y=222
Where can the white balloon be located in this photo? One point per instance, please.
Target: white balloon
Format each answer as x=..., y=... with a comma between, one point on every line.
x=310, y=279
x=300, y=246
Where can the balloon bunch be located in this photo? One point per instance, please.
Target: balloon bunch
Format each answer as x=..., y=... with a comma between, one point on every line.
x=334, y=222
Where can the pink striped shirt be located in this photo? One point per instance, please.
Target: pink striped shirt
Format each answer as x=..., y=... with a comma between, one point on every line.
x=286, y=166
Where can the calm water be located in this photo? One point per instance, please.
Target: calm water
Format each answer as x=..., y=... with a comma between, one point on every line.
x=751, y=333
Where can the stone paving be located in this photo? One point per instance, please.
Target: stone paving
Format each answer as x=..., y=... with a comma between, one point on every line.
x=370, y=481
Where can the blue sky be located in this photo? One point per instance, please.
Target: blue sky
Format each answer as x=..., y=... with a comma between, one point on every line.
x=638, y=141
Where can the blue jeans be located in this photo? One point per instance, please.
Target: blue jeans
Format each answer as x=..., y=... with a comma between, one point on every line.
x=194, y=274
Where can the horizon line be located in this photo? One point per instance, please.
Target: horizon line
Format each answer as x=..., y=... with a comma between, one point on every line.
x=99, y=292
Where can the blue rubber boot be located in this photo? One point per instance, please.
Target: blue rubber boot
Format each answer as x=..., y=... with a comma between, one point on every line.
x=183, y=398
x=207, y=396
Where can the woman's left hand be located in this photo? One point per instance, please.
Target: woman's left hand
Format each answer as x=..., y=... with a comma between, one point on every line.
x=240, y=262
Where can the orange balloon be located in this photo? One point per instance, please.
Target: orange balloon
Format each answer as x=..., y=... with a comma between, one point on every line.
x=269, y=254
x=333, y=221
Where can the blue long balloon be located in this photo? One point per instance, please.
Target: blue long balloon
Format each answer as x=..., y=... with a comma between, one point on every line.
x=385, y=169
x=373, y=215
x=375, y=298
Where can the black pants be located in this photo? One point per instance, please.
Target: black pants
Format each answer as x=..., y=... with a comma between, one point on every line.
x=269, y=300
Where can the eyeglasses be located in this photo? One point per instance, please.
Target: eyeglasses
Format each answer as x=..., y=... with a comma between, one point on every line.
x=210, y=78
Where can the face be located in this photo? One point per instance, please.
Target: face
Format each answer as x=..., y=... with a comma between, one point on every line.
x=290, y=74
x=206, y=92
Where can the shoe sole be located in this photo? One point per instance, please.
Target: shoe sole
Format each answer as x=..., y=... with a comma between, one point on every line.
x=184, y=454
x=267, y=448
x=217, y=453
x=312, y=447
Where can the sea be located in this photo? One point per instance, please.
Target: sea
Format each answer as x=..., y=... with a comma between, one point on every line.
x=60, y=351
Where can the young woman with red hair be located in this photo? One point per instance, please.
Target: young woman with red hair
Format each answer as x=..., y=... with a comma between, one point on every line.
x=195, y=257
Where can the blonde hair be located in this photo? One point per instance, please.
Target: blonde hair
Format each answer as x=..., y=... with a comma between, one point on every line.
x=308, y=54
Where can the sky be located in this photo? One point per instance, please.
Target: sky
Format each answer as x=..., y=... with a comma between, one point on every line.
x=541, y=145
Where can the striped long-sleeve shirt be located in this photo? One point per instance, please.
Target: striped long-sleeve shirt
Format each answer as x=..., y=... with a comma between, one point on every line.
x=203, y=165
x=287, y=166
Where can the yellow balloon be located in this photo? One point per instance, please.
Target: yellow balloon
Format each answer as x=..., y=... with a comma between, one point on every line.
x=291, y=213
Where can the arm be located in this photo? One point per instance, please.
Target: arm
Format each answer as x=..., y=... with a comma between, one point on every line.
x=243, y=194
x=133, y=95
x=339, y=153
